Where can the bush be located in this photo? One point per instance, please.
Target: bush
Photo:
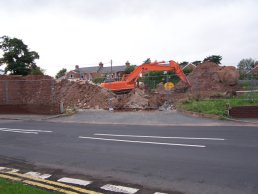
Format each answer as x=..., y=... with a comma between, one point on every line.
x=98, y=80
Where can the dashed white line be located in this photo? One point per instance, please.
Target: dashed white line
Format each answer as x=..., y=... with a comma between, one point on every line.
x=31, y=131
x=144, y=142
x=5, y=169
x=161, y=137
x=119, y=189
x=17, y=131
x=38, y=175
x=107, y=187
x=74, y=181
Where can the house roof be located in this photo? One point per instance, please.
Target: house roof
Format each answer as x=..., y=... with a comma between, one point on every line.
x=88, y=69
x=114, y=69
x=100, y=69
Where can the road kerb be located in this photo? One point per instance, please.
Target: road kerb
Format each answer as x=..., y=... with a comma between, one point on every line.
x=50, y=183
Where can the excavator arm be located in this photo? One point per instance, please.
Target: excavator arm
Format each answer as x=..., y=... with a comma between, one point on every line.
x=130, y=82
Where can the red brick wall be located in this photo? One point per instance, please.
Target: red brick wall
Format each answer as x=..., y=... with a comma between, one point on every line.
x=244, y=112
x=32, y=94
x=48, y=109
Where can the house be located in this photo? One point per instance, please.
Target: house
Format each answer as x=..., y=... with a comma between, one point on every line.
x=89, y=73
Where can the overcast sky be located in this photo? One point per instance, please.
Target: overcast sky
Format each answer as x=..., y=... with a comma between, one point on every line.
x=66, y=33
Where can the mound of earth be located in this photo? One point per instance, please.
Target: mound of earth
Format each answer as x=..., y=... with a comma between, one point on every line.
x=209, y=79
x=82, y=94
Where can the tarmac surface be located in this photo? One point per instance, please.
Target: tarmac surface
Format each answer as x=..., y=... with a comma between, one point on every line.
x=166, y=118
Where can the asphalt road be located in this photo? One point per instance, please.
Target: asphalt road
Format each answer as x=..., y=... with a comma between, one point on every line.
x=189, y=159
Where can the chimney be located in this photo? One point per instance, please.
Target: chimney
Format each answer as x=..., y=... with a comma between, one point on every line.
x=76, y=67
x=127, y=64
x=101, y=65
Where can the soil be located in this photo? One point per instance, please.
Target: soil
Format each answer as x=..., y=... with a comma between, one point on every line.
x=82, y=94
x=210, y=79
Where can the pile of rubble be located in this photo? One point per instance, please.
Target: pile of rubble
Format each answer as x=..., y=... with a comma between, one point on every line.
x=138, y=99
x=82, y=94
x=210, y=79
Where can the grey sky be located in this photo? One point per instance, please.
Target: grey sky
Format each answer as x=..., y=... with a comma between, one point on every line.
x=85, y=32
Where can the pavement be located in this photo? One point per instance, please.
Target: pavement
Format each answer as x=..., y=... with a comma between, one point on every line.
x=32, y=117
x=162, y=118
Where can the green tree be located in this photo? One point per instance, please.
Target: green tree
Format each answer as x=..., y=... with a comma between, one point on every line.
x=17, y=57
x=196, y=62
x=130, y=69
x=187, y=71
x=37, y=71
x=61, y=73
x=213, y=58
x=184, y=63
x=99, y=80
x=246, y=65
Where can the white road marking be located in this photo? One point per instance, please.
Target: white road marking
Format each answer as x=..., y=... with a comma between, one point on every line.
x=160, y=193
x=145, y=142
x=38, y=175
x=74, y=181
x=17, y=131
x=119, y=189
x=31, y=131
x=161, y=137
x=5, y=169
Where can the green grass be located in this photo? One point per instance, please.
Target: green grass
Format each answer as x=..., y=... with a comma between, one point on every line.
x=219, y=106
x=11, y=187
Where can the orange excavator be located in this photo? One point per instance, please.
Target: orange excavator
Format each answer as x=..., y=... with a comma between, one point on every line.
x=129, y=83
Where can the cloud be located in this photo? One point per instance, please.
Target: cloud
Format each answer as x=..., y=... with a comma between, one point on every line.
x=84, y=32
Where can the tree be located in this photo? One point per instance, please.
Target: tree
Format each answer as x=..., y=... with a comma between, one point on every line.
x=61, y=73
x=37, y=71
x=213, y=58
x=196, y=63
x=129, y=69
x=184, y=63
x=17, y=57
x=246, y=65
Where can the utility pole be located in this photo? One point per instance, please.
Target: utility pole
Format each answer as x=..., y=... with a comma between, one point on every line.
x=111, y=65
x=110, y=91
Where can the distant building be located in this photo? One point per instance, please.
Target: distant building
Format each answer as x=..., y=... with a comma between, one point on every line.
x=89, y=73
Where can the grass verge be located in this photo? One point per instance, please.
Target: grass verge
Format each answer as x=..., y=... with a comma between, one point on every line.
x=11, y=187
x=218, y=106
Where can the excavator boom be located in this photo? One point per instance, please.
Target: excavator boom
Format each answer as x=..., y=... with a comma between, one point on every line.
x=130, y=81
